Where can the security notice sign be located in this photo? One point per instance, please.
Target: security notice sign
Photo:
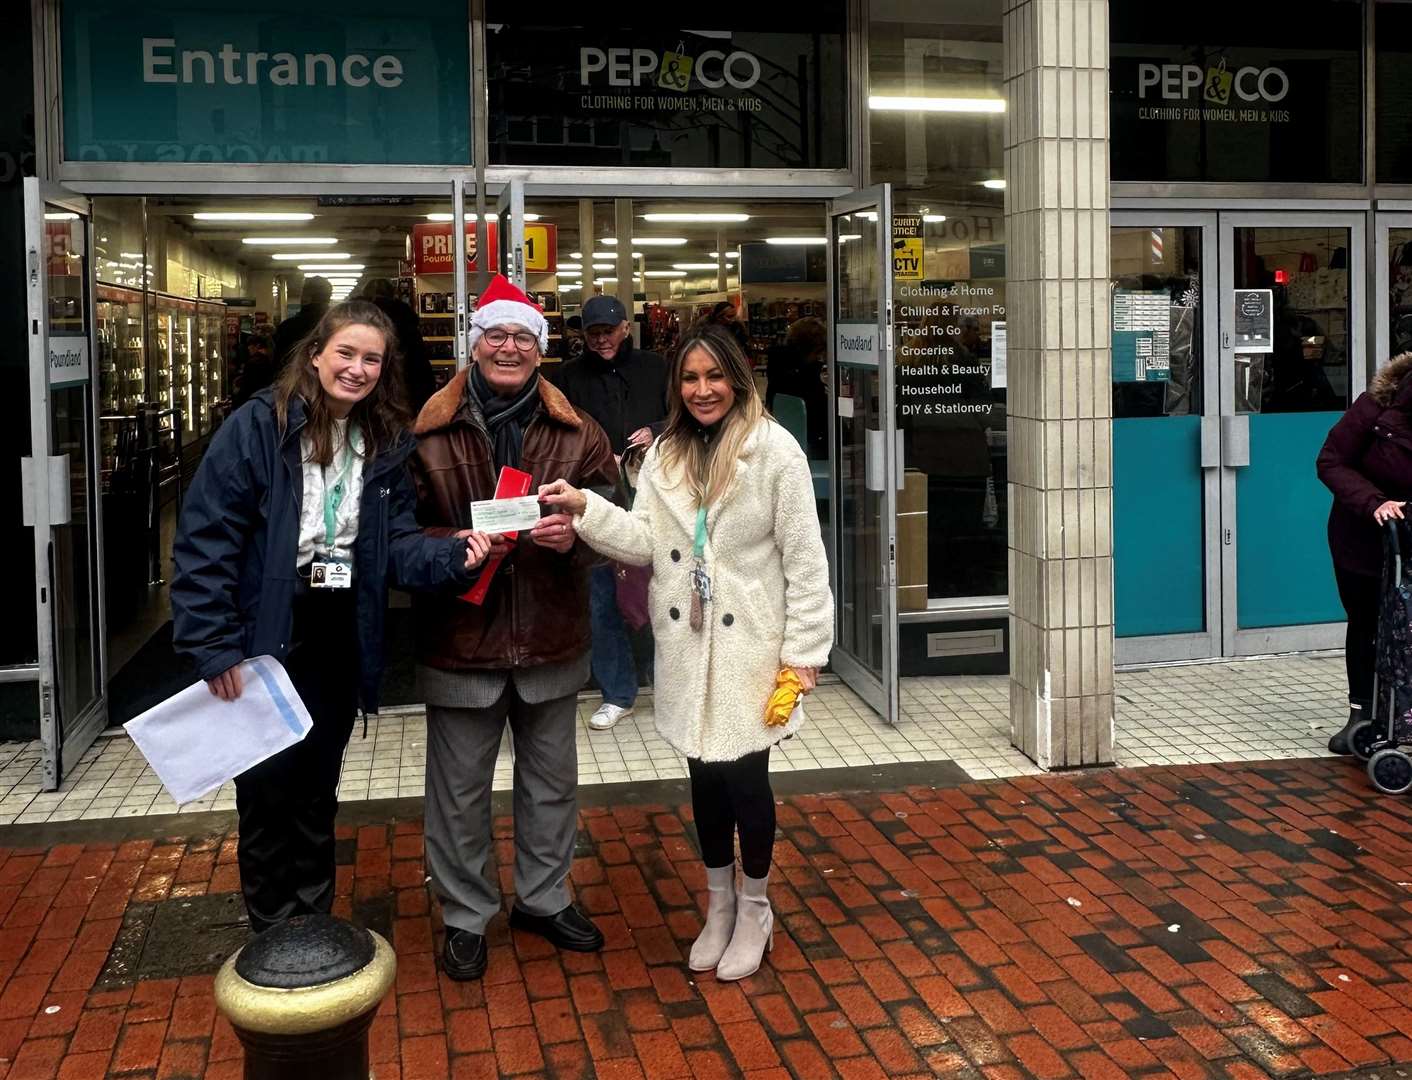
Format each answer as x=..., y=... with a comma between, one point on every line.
x=907, y=247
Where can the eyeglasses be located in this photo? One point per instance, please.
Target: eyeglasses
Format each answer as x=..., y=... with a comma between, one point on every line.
x=524, y=340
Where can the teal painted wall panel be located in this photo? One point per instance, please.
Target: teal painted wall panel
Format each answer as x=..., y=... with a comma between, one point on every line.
x=1158, y=532
x=1284, y=576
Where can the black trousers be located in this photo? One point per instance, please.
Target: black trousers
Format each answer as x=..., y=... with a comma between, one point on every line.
x=1360, y=595
x=731, y=796
x=287, y=803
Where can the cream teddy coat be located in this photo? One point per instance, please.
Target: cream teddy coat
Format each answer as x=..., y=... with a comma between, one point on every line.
x=770, y=601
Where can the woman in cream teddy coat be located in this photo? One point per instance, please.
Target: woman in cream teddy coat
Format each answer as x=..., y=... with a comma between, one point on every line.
x=769, y=607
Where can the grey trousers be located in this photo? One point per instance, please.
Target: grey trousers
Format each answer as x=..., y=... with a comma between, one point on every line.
x=462, y=745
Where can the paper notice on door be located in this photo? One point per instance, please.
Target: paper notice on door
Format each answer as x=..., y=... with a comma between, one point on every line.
x=999, y=372
x=845, y=408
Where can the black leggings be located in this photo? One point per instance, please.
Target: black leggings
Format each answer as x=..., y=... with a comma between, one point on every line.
x=1360, y=595
x=731, y=795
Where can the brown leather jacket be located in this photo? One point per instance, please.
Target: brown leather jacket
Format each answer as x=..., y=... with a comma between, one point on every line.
x=536, y=611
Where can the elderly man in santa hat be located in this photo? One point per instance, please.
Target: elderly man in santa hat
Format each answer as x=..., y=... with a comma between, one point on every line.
x=522, y=653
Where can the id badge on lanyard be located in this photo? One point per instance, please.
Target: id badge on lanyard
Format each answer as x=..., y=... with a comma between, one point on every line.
x=328, y=570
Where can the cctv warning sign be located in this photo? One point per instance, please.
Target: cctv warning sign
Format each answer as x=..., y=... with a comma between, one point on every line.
x=907, y=247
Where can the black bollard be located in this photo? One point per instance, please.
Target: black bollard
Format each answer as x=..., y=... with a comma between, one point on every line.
x=302, y=996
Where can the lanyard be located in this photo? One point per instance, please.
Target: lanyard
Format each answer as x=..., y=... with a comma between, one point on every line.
x=698, y=550
x=333, y=497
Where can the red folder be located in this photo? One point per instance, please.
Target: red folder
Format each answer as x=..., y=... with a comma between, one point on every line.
x=513, y=484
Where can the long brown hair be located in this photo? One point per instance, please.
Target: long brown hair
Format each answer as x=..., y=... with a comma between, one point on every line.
x=709, y=468
x=381, y=416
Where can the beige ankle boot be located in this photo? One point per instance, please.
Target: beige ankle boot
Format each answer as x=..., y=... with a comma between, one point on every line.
x=754, y=932
x=720, y=918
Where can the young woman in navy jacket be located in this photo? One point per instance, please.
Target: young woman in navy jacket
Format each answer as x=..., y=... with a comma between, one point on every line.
x=299, y=517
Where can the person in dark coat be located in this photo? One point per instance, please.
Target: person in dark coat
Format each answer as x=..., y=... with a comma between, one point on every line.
x=417, y=375
x=314, y=299
x=308, y=476
x=797, y=368
x=624, y=388
x=1366, y=462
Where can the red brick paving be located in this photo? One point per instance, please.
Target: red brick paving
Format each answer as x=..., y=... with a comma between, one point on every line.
x=1213, y=922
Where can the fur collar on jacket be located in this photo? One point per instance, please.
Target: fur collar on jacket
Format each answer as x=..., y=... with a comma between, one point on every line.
x=1390, y=377
x=442, y=408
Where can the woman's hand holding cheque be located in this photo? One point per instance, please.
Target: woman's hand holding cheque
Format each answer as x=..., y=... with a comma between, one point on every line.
x=563, y=497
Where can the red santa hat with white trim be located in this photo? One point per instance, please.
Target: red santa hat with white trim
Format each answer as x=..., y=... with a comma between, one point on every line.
x=503, y=303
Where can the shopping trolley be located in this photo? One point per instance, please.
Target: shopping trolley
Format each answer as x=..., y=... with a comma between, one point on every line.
x=1379, y=740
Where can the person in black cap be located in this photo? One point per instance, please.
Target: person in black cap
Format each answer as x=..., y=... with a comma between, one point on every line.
x=624, y=388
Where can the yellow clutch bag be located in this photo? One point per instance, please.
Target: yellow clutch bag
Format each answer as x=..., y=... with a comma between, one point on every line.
x=788, y=688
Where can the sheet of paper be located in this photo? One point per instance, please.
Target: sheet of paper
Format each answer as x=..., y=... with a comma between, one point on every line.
x=195, y=742
x=505, y=515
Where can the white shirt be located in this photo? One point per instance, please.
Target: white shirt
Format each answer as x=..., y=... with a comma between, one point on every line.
x=318, y=479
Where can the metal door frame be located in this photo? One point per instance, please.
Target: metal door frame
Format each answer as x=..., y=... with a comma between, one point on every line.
x=1206, y=643
x=510, y=232
x=1259, y=641
x=881, y=693
x=63, y=739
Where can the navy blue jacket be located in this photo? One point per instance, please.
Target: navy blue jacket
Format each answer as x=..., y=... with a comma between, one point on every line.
x=237, y=545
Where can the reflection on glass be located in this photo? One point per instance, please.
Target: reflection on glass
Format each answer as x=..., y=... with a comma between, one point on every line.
x=1156, y=322
x=951, y=313
x=73, y=544
x=1306, y=270
x=1399, y=276
x=856, y=300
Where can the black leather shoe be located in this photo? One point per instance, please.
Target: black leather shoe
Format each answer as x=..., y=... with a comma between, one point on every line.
x=570, y=929
x=463, y=956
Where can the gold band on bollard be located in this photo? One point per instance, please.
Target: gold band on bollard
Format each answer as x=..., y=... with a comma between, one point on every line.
x=272, y=1011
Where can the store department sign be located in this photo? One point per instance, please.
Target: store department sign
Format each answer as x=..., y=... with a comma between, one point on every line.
x=627, y=88
x=1226, y=93
x=182, y=81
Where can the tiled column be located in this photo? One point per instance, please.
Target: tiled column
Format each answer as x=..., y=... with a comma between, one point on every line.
x=1060, y=397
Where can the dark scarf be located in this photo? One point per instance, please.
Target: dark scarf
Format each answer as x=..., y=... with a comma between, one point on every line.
x=505, y=418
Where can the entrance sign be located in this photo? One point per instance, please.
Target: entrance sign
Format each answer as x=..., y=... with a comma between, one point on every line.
x=1254, y=320
x=625, y=84
x=354, y=82
x=856, y=344
x=1227, y=93
x=68, y=361
x=907, y=247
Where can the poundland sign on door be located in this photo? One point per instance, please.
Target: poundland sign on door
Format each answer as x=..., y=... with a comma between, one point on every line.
x=353, y=82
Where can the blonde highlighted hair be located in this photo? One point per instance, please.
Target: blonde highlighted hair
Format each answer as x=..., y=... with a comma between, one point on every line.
x=708, y=468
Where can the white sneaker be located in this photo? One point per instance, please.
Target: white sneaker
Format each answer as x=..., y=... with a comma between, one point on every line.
x=607, y=715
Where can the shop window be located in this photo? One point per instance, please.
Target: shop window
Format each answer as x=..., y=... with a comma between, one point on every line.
x=946, y=168
x=1393, y=34
x=721, y=89
x=1232, y=92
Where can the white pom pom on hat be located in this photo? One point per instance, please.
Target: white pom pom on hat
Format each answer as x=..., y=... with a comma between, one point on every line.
x=503, y=303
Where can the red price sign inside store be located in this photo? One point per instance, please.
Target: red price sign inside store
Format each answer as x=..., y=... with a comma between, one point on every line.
x=433, y=248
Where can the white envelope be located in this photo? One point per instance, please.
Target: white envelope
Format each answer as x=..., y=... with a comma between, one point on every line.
x=195, y=742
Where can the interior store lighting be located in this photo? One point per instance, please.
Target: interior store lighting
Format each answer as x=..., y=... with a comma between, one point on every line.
x=604, y=266
x=614, y=255
x=889, y=103
x=288, y=256
x=993, y=185
x=843, y=238
x=576, y=254
x=650, y=241
x=570, y=288
x=933, y=219
x=665, y=273
x=60, y=215
x=570, y=266
x=334, y=267
x=289, y=241
x=724, y=218
x=130, y=255
x=696, y=266
x=795, y=241
x=250, y=215
x=729, y=254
